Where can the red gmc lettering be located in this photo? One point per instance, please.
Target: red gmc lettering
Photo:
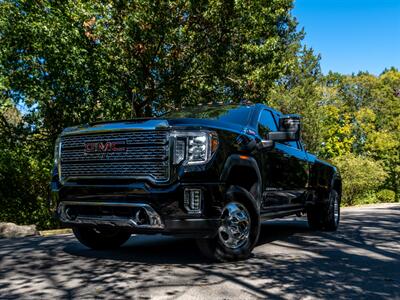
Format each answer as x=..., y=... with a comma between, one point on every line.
x=104, y=147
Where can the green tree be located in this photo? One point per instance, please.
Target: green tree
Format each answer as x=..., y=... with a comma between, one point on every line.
x=360, y=175
x=79, y=60
x=377, y=121
x=298, y=91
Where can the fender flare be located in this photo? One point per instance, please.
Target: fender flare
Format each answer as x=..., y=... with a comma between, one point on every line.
x=337, y=178
x=323, y=177
x=243, y=161
x=235, y=192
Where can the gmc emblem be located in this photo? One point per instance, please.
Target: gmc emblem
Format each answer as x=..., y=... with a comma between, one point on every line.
x=116, y=146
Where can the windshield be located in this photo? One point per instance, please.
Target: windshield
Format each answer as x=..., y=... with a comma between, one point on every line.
x=229, y=113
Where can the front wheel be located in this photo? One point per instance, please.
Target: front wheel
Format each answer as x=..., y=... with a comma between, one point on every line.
x=325, y=217
x=101, y=238
x=237, y=234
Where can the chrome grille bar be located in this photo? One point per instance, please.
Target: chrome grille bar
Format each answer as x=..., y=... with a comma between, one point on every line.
x=145, y=155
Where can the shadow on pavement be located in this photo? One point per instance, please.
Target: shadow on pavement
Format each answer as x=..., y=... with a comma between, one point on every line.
x=361, y=260
x=160, y=249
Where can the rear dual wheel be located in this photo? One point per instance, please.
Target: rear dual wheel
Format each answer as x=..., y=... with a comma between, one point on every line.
x=325, y=216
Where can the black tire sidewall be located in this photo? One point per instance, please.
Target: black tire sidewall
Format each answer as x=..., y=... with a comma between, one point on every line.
x=331, y=224
x=322, y=216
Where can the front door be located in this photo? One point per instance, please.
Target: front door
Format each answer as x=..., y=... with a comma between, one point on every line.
x=294, y=172
x=284, y=169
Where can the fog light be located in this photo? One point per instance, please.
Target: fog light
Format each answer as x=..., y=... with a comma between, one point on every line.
x=193, y=200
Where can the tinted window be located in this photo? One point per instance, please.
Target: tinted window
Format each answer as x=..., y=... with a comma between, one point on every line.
x=228, y=113
x=266, y=124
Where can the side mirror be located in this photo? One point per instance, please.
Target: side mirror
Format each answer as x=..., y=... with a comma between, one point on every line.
x=265, y=144
x=289, y=129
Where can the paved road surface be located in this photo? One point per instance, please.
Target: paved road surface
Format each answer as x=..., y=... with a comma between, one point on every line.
x=361, y=260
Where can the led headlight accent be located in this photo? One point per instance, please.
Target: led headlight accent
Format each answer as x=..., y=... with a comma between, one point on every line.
x=196, y=147
x=179, y=150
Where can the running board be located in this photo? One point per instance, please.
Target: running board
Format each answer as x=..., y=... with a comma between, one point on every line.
x=276, y=214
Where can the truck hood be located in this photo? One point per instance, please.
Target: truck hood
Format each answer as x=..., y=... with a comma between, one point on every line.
x=151, y=124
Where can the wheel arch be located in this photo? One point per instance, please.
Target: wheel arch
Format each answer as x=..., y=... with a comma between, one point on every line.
x=337, y=185
x=243, y=171
x=323, y=178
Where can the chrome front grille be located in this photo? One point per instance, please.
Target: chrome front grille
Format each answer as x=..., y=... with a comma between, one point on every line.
x=144, y=156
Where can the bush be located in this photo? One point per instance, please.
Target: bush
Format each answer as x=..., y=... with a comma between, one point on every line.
x=382, y=196
x=361, y=178
x=24, y=182
x=385, y=195
x=367, y=198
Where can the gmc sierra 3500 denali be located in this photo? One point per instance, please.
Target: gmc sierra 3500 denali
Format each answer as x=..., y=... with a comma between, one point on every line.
x=213, y=173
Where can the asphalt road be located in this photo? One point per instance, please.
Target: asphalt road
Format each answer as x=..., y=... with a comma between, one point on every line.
x=361, y=260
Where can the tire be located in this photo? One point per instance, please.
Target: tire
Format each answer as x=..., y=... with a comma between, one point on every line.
x=99, y=239
x=237, y=234
x=325, y=217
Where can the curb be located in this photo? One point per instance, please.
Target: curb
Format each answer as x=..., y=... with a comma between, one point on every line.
x=55, y=232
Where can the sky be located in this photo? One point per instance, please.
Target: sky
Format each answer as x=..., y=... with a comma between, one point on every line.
x=352, y=35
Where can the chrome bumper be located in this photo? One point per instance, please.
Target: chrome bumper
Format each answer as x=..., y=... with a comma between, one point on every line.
x=145, y=216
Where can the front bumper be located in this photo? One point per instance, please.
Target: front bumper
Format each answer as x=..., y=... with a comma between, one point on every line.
x=139, y=215
x=162, y=207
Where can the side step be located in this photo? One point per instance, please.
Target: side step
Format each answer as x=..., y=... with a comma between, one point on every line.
x=280, y=214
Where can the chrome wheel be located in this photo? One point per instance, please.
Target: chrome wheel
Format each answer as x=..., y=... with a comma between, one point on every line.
x=235, y=225
x=336, y=209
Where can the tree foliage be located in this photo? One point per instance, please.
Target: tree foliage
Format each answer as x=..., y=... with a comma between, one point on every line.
x=360, y=175
x=297, y=91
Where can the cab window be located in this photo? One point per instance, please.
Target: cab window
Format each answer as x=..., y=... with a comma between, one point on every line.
x=266, y=123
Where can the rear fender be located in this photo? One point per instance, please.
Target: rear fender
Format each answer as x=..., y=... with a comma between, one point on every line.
x=323, y=178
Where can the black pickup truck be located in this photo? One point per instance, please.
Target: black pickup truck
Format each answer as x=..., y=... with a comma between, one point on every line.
x=213, y=173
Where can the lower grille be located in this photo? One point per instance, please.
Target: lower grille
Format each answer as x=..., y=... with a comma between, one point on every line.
x=136, y=154
x=133, y=215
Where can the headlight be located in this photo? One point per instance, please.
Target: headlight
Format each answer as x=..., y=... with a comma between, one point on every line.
x=57, y=151
x=194, y=147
